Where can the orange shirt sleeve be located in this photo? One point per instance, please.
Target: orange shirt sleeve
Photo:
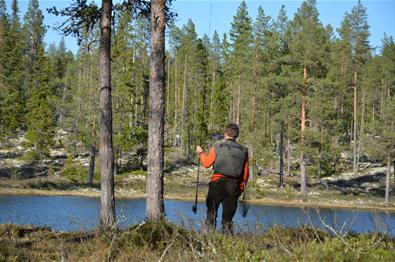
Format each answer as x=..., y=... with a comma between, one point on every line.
x=207, y=160
x=246, y=174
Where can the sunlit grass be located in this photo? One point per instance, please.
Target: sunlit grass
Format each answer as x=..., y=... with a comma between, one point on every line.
x=167, y=242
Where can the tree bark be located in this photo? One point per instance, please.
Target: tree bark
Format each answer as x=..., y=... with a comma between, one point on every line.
x=361, y=130
x=176, y=137
x=281, y=155
x=302, y=130
x=93, y=149
x=107, y=199
x=289, y=151
x=355, y=164
x=185, y=106
x=387, y=180
x=238, y=103
x=92, y=157
x=155, y=208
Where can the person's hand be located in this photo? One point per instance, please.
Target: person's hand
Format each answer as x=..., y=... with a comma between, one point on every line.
x=198, y=150
x=243, y=186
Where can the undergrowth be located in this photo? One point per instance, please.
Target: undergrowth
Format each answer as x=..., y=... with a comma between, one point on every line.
x=166, y=242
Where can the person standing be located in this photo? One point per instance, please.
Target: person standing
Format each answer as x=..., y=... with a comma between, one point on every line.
x=229, y=160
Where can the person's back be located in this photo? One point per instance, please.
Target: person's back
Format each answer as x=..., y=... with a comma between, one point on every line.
x=230, y=163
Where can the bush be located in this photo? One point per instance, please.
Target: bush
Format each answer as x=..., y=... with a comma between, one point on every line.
x=75, y=172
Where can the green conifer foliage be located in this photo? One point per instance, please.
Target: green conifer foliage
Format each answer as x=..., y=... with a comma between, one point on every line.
x=241, y=37
x=40, y=117
x=13, y=75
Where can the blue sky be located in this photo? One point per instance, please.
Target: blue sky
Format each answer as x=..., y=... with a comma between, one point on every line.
x=381, y=15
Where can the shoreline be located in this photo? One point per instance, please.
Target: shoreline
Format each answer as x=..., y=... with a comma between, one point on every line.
x=263, y=201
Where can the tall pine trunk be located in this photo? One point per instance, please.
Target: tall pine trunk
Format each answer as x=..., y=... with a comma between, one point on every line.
x=155, y=208
x=92, y=157
x=281, y=155
x=361, y=128
x=355, y=163
x=176, y=136
x=289, y=150
x=185, y=106
x=93, y=149
x=302, y=130
x=387, y=180
x=238, y=103
x=107, y=199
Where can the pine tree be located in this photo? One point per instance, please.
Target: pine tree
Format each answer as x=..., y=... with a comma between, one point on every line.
x=359, y=35
x=155, y=209
x=307, y=34
x=106, y=151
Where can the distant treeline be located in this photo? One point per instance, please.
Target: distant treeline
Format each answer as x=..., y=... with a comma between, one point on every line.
x=298, y=91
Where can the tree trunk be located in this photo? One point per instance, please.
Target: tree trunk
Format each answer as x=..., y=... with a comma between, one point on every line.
x=302, y=130
x=281, y=155
x=107, y=199
x=93, y=149
x=64, y=89
x=176, y=137
x=168, y=92
x=155, y=208
x=361, y=128
x=238, y=103
x=92, y=157
x=255, y=76
x=387, y=180
x=184, y=110
x=289, y=153
x=393, y=168
x=355, y=164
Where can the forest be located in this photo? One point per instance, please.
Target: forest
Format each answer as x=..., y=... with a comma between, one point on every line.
x=299, y=91
x=123, y=115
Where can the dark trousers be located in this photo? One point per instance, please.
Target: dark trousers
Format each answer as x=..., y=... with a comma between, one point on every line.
x=227, y=192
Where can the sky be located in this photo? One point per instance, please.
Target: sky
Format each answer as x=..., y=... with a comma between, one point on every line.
x=210, y=15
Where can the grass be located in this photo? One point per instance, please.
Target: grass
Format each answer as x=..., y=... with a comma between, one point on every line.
x=163, y=241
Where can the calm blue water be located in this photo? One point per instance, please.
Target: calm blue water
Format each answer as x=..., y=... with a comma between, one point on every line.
x=71, y=213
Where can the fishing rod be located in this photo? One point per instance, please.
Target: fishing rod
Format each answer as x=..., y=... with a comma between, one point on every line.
x=245, y=206
x=194, y=207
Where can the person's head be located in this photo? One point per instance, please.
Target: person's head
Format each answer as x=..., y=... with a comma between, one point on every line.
x=232, y=130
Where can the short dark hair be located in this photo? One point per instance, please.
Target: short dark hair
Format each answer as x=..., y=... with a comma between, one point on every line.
x=232, y=130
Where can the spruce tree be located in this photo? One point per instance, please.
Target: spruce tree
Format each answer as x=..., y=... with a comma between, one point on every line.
x=40, y=118
x=33, y=32
x=219, y=105
x=241, y=37
x=14, y=102
x=4, y=24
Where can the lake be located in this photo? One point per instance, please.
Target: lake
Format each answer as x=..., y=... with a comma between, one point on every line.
x=72, y=213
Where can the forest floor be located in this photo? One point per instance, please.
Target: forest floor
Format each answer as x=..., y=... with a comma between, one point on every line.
x=17, y=176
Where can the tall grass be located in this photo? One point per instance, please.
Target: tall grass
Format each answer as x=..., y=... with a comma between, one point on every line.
x=163, y=241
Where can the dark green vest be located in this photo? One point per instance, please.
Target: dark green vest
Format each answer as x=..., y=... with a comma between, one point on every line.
x=230, y=158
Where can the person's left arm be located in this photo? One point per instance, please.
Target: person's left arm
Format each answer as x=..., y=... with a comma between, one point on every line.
x=246, y=174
